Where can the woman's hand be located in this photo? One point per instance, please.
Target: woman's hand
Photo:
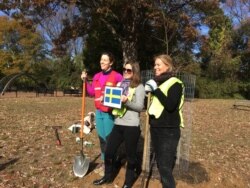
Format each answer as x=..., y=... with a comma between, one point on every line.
x=101, y=98
x=150, y=86
x=84, y=75
x=124, y=98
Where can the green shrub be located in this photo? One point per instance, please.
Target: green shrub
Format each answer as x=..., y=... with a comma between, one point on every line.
x=206, y=88
x=245, y=90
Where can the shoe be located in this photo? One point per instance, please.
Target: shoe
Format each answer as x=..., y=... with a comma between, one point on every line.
x=103, y=180
x=126, y=186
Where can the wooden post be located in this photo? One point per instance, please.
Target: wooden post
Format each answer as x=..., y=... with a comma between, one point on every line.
x=146, y=145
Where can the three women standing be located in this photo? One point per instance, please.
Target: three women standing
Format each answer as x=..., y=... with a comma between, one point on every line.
x=165, y=118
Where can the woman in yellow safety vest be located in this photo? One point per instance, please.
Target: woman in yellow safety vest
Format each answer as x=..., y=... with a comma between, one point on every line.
x=165, y=117
x=127, y=129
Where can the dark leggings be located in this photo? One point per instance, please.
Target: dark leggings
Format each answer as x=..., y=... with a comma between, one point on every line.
x=165, y=142
x=130, y=135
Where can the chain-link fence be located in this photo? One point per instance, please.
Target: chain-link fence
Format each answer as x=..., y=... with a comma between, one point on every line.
x=182, y=161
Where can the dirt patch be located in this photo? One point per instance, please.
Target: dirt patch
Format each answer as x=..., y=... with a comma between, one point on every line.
x=30, y=157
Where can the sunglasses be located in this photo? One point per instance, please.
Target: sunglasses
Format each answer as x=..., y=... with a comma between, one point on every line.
x=129, y=71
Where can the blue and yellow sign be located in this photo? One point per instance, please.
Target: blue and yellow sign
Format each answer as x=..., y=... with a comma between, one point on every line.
x=112, y=97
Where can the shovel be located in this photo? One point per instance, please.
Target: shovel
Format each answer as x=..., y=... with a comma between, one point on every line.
x=81, y=163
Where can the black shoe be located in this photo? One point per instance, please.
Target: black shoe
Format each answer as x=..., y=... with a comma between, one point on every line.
x=126, y=186
x=103, y=180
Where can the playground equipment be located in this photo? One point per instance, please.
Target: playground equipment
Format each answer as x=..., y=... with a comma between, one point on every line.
x=7, y=81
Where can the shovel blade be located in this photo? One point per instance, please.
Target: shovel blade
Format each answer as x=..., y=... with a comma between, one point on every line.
x=80, y=166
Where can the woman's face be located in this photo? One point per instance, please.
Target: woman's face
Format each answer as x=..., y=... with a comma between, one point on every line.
x=105, y=62
x=160, y=67
x=127, y=71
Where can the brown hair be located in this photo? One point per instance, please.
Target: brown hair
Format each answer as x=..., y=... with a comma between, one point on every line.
x=167, y=60
x=136, y=78
x=110, y=55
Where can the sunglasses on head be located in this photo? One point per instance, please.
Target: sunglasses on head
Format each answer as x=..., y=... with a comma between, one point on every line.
x=127, y=70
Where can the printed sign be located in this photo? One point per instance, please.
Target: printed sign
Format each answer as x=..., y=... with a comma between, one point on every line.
x=112, y=97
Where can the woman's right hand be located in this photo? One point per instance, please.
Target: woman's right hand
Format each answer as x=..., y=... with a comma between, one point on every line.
x=84, y=75
x=150, y=85
x=124, y=98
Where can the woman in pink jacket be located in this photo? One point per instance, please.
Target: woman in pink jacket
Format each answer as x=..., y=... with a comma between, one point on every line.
x=104, y=117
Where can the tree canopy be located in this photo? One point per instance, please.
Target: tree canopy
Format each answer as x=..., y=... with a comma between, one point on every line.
x=76, y=32
x=20, y=46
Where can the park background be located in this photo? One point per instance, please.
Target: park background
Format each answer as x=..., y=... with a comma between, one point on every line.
x=45, y=44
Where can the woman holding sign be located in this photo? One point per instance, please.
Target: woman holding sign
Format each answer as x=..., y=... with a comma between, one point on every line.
x=104, y=117
x=127, y=129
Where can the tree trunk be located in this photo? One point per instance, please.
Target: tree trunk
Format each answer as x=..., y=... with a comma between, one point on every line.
x=129, y=51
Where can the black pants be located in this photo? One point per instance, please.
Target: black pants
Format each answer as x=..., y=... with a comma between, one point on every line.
x=130, y=135
x=165, y=142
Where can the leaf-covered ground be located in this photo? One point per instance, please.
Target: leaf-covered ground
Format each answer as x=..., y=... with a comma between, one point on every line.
x=29, y=156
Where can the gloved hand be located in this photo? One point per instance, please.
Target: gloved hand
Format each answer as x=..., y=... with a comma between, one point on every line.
x=147, y=88
x=150, y=85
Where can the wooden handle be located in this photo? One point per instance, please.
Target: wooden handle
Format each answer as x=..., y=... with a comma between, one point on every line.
x=146, y=146
x=146, y=136
x=83, y=108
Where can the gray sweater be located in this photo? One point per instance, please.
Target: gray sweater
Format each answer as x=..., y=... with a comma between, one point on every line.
x=134, y=107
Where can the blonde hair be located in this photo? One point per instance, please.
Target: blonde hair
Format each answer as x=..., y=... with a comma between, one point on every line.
x=167, y=60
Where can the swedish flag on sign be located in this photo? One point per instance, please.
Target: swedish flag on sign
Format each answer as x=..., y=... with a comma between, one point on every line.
x=112, y=97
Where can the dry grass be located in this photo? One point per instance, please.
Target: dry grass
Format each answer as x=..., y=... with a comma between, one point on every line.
x=29, y=156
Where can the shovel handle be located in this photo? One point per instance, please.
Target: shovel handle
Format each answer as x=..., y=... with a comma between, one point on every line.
x=83, y=107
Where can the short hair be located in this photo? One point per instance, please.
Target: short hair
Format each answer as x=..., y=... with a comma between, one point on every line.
x=136, y=78
x=167, y=60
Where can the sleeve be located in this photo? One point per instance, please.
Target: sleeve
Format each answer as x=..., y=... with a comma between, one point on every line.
x=137, y=104
x=90, y=87
x=172, y=100
x=119, y=77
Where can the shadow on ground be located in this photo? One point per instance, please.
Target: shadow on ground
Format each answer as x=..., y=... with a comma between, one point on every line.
x=10, y=162
x=195, y=173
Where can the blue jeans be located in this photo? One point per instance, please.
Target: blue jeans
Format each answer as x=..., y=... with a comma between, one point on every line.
x=165, y=142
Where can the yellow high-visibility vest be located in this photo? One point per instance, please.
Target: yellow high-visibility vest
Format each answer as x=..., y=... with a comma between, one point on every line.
x=123, y=110
x=156, y=107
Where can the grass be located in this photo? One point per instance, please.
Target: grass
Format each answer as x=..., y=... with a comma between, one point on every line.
x=29, y=157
